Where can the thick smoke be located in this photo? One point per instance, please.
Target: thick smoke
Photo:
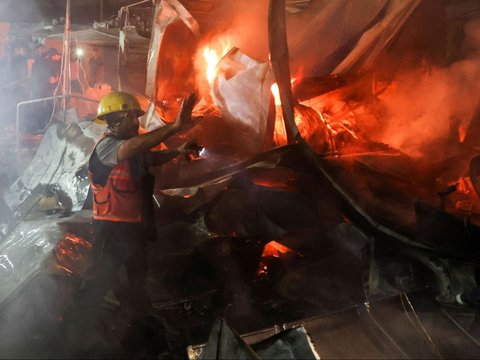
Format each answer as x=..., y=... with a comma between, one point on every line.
x=430, y=103
x=248, y=27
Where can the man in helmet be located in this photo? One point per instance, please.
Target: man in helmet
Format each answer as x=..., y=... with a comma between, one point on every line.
x=122, y=190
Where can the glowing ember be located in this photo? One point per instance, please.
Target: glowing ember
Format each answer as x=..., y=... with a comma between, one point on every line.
x=278, y=178
x=465, y=186
x=69, y=248
x=77, y=240
x=63, y=268
x=272, y=249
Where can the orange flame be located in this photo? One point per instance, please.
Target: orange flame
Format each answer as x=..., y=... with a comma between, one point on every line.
x=462, y=133
x=465, y=186
x=276, y=91
x=211, y=58
x=276, y=94
x=212, y=53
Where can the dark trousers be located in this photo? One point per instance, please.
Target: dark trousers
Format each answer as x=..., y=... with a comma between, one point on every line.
x=116, y=244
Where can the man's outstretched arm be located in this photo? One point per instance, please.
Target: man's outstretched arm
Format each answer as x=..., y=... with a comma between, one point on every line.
x=145, y=142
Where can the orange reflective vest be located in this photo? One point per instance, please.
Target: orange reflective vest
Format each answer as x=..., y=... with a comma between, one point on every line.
x=120, y=199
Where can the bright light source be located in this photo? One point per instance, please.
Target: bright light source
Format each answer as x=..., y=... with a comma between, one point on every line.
x=79, y=52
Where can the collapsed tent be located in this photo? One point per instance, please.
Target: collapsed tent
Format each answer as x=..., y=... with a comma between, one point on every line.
x=351, y=182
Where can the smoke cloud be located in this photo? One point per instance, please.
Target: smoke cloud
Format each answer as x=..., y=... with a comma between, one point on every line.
x=430, y=103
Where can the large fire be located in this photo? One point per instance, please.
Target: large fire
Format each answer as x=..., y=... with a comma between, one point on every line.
x=323, y=127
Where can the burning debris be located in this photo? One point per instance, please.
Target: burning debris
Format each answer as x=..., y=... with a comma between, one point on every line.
x=71, y=251
x=339, y=139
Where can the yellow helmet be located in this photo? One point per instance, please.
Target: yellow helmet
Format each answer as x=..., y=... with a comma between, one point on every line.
x=118, y=101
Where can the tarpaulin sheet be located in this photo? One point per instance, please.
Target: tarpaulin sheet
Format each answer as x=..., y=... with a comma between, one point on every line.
x=241, y=91
x=60, y=162
x=166, y=12
x=335, y=36
x=27, y=247
x=328, y=37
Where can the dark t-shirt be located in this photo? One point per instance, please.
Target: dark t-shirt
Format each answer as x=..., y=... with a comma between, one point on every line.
x=105, y=158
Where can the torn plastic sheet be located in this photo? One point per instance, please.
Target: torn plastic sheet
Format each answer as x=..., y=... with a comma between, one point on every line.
x=58, y=165
x=164, y=15
x=151, y=120
x=241, y=91
x=209, y=185
x=289, y=344
x=225, y=343
x=27, y=247
x=185, y=16
x=373, y=41
x=393, y=328
x=352, y=33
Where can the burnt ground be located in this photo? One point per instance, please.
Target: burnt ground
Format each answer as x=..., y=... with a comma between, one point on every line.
x=207, y=263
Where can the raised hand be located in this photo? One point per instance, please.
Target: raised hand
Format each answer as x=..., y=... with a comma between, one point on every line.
x=183, y=121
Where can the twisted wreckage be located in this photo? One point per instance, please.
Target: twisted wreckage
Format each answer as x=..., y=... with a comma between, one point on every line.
x=337, y=194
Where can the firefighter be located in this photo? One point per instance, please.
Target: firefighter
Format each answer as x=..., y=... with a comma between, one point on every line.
x=122, y=190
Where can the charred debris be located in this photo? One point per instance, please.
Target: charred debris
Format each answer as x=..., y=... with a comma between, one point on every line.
x=334, y=211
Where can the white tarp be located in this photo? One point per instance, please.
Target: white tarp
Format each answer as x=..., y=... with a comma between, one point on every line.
x=164, y=15
x=241, y=91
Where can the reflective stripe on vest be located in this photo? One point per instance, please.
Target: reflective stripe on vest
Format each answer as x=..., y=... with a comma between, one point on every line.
x=120, y=199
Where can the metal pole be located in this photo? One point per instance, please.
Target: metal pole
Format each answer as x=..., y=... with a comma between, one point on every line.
x=102, y=7
x=279, y=60
x=66, y=59
x=22, y=103
x=17, y=122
